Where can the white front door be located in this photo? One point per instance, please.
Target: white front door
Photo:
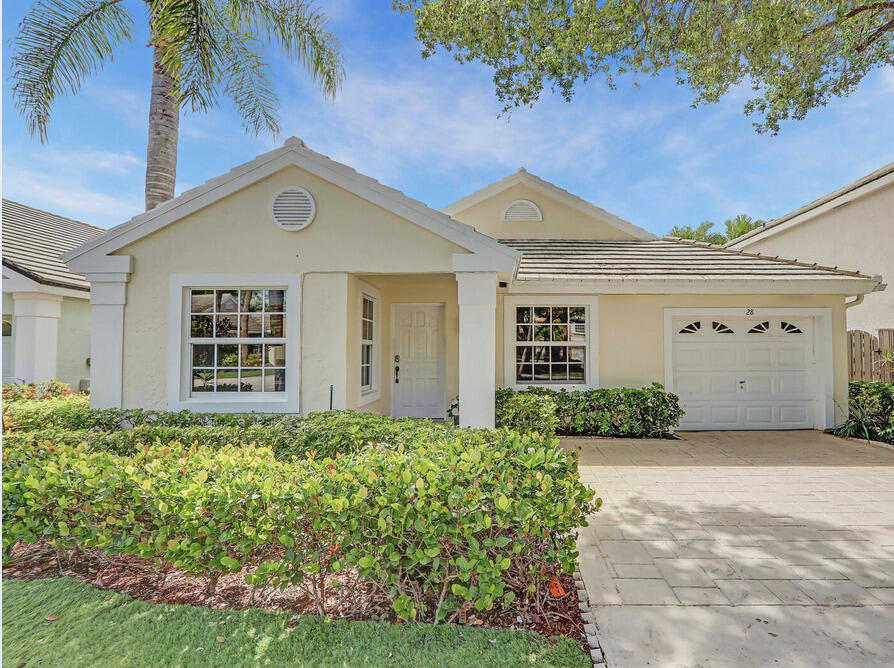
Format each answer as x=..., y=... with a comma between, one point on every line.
x=745, y=373
x=417, y=361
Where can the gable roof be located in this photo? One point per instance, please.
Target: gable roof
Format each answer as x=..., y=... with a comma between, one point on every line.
x=862, y=186
x=524, y=176
x=34, y=240
x=294, y=152
x=667, y=260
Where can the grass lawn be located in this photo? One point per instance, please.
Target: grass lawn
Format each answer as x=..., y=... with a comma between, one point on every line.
x=101, y=628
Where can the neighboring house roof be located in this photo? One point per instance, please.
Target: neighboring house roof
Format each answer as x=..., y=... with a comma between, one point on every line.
x=665, y=259
x=295, y=153
x=524, y=176
x=862, y=186
x=34, y=240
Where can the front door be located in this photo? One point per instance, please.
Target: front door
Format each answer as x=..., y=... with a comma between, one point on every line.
x=417, y=361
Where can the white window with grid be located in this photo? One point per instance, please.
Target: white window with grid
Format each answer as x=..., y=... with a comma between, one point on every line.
x=550, y=341
x=369, y=344
x=237, y=341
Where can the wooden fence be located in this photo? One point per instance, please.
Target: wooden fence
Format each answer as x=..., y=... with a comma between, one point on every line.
x=870, y=357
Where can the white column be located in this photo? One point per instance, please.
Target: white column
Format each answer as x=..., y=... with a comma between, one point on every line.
x=108, y=294
x=477, y=298
x=36, y=335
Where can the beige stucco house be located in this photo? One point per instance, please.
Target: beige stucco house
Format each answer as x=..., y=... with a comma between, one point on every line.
x=850, y=227
x=46, y=307
x=293, y=283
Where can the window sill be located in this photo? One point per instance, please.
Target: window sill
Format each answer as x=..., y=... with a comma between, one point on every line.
x=215, y=403
x=368, y=396
x=571, y=387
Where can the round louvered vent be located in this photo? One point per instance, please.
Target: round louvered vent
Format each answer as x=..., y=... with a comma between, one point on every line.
x=522, y=210
x=293, y=208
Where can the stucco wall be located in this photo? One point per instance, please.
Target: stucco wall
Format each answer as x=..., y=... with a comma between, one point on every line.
x=235, y=235
x=74, y=341
x=857, y=236
x=560, y=221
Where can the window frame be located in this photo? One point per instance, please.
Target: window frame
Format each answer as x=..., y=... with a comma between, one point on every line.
x=590, y=343
x=366, y=394
x=180, y=395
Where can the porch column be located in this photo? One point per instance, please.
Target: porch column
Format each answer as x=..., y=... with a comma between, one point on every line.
x=477, y=298
x=108, y=295
x=36, y=335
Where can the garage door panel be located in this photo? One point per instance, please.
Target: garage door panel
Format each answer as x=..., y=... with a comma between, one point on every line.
x=760, y=379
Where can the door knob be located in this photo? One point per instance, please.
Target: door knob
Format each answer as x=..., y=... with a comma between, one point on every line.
x=396, y=374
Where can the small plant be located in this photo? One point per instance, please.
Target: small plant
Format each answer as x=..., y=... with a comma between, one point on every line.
x=453, y=411
x=870, y=412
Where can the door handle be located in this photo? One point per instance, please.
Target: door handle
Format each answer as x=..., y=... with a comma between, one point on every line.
x=396, y=375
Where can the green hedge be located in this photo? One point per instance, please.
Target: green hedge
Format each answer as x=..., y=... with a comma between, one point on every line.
x=649, y=412
x=431, y=527
x=870, y=412
x=526, y=412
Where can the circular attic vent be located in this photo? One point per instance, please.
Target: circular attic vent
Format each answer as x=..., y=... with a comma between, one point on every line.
x=293, y=208
x=522, y=210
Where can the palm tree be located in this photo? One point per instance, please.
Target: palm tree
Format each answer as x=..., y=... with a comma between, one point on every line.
x=741, y=224
x=202, y=50
x=701, y=233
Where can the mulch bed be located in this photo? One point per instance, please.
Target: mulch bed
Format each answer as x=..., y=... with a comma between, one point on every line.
x=142, y=579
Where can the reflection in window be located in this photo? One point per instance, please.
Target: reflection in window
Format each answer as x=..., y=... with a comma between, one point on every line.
x=7, y=326
x=551, y=344
x=237, y=340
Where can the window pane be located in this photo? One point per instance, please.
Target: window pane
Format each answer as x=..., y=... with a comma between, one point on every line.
x=251, y=381
x=227, y=326
x=273, y=326
x=559, y=371
x=541, y=314
x=227, y=380
x=227, y=301
x=523, y=373
x=275, y=301
x=576, y=372
x=365, y=354
x=558, y=354
x=560, y=332
x=541, y=372
x=523, y=353
x=541, y=332
x=201, y=326
x=523, y=333
x=252, y=301
x=253, y=326
x=523, y=315
x=203, y=380
x=367, y=333
x=274, y=380
x=228, y=355
x=252, y=355
x=541, y=354
x=365, y=374
x=577, y=314
x=202, y=355
x=202, y=301
x=275, y=355
x=577, y=354
x=560, y=314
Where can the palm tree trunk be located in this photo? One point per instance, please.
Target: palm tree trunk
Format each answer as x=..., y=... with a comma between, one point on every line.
x=164, y=124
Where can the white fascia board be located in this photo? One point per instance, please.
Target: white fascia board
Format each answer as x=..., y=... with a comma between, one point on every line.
x=93, y=265
x=245, y=175
x=769, y=230
x=843, y=286
x=13, y=281
x=554, y=191
x=504, y=263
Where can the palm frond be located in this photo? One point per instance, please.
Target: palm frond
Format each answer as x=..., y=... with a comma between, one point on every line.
x=59, y=42
x=300, y=31
x=246, y=81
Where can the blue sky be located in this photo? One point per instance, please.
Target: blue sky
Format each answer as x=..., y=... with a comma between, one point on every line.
x=432, y=129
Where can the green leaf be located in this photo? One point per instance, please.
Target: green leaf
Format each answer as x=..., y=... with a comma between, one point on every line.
x=459, y=590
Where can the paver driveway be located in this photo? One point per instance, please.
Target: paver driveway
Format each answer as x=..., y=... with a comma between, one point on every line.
x=741, y=549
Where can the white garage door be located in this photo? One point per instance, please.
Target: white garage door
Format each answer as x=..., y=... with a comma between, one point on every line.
x=744, y=373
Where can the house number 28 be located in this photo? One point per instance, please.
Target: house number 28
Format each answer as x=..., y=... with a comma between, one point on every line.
x=749, y=311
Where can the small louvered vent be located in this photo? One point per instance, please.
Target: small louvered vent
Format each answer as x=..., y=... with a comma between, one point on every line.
x=293, y=208
x=522, y=210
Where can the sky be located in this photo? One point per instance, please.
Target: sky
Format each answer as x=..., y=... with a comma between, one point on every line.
x=433, y=129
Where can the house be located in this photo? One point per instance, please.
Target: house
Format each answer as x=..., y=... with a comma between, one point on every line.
x=850, y=227
x=294, y=284
x=46, y=307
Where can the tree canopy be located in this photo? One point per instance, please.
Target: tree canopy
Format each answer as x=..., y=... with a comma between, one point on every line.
x=735, y=227
x=795, y=54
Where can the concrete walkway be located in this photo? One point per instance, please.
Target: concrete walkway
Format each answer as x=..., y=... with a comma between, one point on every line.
x=741, y=549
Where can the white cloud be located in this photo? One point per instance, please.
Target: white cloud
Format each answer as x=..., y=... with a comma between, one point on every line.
x=107, y=162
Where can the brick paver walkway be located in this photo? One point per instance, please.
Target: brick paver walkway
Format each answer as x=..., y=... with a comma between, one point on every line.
x=720, y=521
